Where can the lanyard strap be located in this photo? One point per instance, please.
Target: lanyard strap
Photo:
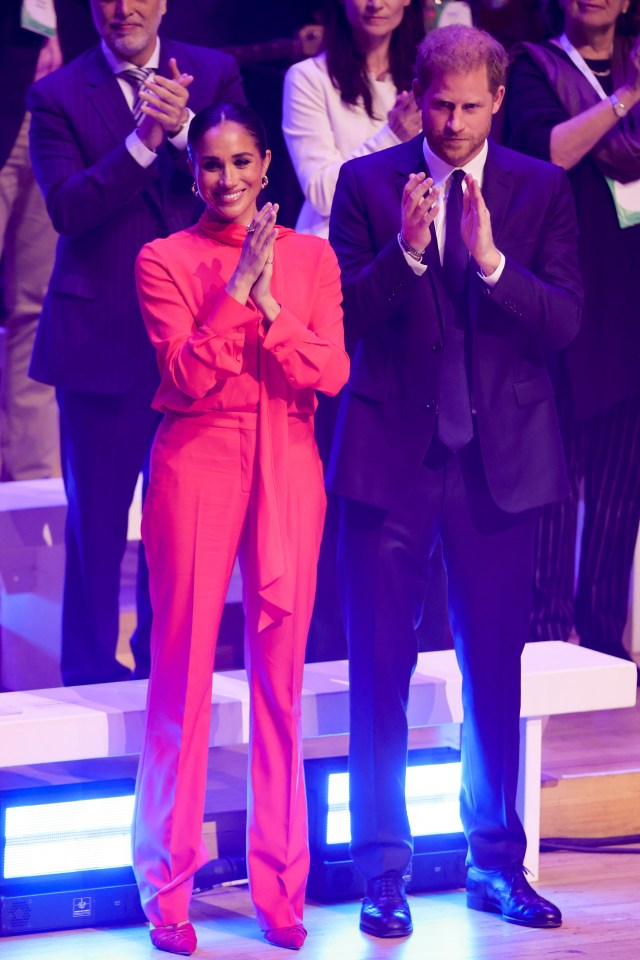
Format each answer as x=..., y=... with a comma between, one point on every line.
x=564, y=42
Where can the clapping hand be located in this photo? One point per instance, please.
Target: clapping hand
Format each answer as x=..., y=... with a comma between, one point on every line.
x=419, y=207
x=475, y=228
x=633, y=71
x=164, y=105
x=405, y=118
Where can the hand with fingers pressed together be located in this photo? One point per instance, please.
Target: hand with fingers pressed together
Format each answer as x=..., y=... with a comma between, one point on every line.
x=164, y=106
x=475, y=228
x=255, y=267
x=419, y=207
x=404, y=118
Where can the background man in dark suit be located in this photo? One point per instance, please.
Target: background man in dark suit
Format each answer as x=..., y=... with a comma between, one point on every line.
x=456, y=285
x=109, y=156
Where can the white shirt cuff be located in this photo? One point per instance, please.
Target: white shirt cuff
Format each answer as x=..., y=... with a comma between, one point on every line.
x=493, y=278
x=140, y=153
x=418, y=268
x=180, y=139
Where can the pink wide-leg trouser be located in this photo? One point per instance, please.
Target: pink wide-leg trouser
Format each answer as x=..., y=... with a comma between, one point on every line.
x=200, y=512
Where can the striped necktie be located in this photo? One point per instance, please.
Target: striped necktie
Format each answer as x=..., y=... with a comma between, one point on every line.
x=136, y=77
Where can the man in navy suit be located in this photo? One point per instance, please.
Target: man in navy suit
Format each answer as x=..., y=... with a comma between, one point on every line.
x=108, y=147
x=460, y=276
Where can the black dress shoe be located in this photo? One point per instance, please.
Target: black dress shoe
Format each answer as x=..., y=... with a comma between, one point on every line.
x=508, y=893
x=385, y=911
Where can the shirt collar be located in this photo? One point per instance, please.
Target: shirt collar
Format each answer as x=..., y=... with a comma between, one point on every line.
x=440, y=170
x=117, y=65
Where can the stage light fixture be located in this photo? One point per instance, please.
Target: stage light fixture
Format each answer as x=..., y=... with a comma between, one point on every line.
x=65, y=857
x=433, y=807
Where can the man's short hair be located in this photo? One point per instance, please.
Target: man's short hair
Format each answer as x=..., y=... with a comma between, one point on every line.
x=460, y=49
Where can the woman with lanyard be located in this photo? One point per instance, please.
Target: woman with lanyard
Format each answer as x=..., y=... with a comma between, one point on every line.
x=575, y=100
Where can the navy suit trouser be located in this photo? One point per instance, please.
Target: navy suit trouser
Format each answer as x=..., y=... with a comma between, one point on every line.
x=105, y=441
x=384, y=566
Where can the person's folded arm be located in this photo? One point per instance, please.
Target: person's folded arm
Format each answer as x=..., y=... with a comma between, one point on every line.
x=194, y=353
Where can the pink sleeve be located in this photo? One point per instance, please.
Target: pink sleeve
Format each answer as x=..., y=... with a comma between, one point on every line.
x=191, y=357
x=313, y=356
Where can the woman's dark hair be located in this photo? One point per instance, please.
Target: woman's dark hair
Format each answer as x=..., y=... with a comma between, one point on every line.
x=627, y=24
x=230, y=112
x=347, y=66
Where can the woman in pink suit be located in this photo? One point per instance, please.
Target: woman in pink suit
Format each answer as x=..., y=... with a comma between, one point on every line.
x=247, y=324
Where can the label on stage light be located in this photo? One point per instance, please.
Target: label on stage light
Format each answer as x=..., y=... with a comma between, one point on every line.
x=81, y=907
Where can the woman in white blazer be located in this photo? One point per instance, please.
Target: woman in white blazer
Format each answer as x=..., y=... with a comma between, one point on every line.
x=353, y=98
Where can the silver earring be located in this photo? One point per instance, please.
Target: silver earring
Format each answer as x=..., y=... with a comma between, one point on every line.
x=194, y=189
x=265, y=181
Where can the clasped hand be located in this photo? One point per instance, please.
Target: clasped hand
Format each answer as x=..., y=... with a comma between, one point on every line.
x=164, y=105
x=252, y=276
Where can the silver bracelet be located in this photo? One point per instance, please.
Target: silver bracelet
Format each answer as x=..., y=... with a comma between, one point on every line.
x=416, y=254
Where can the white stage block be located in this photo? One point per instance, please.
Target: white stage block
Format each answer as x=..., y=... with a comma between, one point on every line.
x=32, y=519
x=77, y=723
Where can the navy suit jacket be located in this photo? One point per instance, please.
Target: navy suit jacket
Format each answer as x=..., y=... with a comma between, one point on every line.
x=394, y=328
x=105, y=207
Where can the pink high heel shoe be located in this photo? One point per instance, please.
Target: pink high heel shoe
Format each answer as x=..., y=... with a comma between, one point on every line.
x=175, y=938
x=291, y=938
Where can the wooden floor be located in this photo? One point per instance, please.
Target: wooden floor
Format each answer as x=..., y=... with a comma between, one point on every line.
x=599, y=894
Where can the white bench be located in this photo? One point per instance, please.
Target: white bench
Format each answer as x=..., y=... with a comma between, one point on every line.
x=32, y=520
x=106, y=720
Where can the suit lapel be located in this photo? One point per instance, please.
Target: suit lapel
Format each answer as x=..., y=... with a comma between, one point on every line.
x=497, y=188
x=106, y=96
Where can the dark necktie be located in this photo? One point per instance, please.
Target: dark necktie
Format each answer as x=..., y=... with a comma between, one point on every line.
x=136, y=77
x=455, y=426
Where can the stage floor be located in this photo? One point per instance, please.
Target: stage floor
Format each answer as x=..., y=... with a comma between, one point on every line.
x=599, y=894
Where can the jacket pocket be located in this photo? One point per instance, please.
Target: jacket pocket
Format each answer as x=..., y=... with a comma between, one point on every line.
x=368, y=384
x=72, y=284
x=533, y=391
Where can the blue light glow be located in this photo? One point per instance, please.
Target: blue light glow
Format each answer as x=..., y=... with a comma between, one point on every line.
x=433, y=805
x=67, y=837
